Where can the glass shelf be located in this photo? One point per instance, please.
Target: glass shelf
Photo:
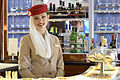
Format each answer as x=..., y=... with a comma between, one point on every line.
x=106, y=31
x=69, y=19
x=107, y=11
x=18, y=32
x=23, y=13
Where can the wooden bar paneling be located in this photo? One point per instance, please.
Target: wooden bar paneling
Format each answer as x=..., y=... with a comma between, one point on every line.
x=1, y=28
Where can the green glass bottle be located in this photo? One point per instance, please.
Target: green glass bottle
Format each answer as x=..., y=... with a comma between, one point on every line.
x=73, y=44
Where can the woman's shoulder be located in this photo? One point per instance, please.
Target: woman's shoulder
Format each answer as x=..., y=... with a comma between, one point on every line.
x=26, y=37
x=54, y=38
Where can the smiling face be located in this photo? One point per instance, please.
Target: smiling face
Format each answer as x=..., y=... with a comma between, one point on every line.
x=41, y=21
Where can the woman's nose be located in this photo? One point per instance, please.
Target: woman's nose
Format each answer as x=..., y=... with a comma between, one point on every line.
x=40, y=19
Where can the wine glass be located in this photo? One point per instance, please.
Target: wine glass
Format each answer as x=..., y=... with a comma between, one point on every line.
x=16, y=2
x=17, y=23
x=99, y=22
x=28, y=2
x=118, y=21
x=106, y=4
x=105, y=20
x=113, y=4
x=99, y=4
x=11, y=5
x=118, y=1
x=23, y=22
x=21, y=5
x=112, y=22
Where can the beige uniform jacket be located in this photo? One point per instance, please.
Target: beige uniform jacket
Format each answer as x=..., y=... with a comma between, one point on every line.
x=35, y=66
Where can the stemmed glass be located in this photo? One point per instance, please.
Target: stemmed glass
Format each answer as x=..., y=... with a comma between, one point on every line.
x=99, y=4
x=118, y=1
x=106, y=4
x=21, y=5
x=16, y=2
x=112, y=22
x=105, y=20
x=12, y=25
x=118, y=21
x=99, y=23
x=23, y=22
x=28, y=3
x=11, y=6
x=17, y=23
x=113, y=4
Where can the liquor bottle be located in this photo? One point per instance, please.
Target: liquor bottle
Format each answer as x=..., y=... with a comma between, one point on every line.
x=77, y=8
x=72, y=8
x=105, y=42
x=102, y=40
x=53, y=7
x=50, y=9
x=82, y=14
x=92, y=46
x=113, y=42
x=69, y=8
x=60, y=8
x=61, y=38
x=80, y=41
x=86, y=43
x=73, y=45
x=63, y=5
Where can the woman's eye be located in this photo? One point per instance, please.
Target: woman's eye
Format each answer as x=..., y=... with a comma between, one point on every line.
x=36, y=18
x=43, y=16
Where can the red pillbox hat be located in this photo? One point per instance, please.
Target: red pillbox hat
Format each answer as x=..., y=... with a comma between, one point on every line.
x=37, y=9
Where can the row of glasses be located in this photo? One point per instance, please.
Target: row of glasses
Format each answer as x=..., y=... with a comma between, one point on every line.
x=109, y=23
x=19, y=23
x=112, y=4
x=19, y=5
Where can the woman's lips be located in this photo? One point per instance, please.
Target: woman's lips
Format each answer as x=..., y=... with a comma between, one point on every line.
x=41, y=24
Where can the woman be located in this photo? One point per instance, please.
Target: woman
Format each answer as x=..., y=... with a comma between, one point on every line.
x=40, y=52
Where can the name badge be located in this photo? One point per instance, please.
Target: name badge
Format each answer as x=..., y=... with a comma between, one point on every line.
x=57, y=45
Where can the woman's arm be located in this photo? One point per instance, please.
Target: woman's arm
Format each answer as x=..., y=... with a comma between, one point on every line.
x=25, y=60
x=60, y=63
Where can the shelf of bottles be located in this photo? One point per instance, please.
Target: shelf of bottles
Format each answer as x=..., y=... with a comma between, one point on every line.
x=67, y=9
x=17, y=18
x=74, y=37
x=106, y=19
x=71, y=19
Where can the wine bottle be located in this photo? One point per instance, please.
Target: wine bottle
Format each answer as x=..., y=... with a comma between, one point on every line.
x=113, y=42
x=53, y=7
x=50, y=9
x=92, y=45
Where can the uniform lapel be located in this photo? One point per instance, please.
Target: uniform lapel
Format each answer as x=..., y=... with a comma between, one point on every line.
x=52, y=42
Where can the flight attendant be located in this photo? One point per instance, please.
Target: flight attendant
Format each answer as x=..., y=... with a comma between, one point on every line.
x=40, y=52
